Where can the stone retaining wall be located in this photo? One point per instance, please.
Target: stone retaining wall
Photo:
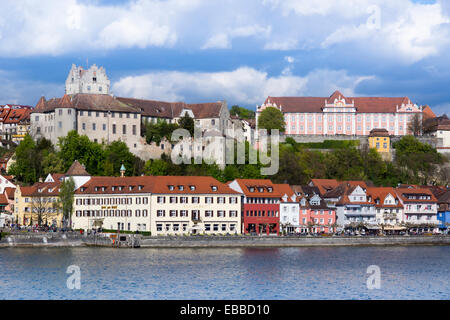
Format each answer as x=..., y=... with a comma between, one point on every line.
x=76, y=240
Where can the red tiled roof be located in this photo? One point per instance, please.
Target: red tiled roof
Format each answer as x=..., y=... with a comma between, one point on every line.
x=246, y=184
x=284, y=189
x=154, y=185
x=381, y=193
x=315, y=104
x=10, y=192
x=3, y=199
x=76, y=169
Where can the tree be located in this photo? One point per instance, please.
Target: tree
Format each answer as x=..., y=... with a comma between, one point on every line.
x=415, y=126
x=156, y=167
x=242, y=113
x=51, y=163
x=418, y=160
x=66, y=196
x=186, y=122
x=117, y=153
x=271, y=118
x=26, y=168
x=75, y=147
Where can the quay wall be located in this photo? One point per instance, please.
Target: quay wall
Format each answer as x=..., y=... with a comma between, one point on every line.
x=77, y=240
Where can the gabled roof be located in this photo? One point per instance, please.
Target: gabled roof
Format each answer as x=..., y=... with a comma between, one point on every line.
x=285, y=189
x=76, y=169
x=324, y=185
x=380, y=193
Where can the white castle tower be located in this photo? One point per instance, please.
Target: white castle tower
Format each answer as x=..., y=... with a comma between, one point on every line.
x=93, y=80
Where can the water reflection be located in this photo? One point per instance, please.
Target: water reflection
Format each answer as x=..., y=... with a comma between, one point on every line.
x=246, y=273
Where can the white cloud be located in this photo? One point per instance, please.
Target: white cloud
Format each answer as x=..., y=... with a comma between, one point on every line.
x=244, y=85
x=223, y=40
x=414, y=34
x=58, y=27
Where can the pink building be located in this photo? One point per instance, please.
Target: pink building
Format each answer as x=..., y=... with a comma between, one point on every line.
x=315, y=215
x=340, y=115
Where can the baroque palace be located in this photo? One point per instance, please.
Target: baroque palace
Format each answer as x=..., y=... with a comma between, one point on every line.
x=340, y=115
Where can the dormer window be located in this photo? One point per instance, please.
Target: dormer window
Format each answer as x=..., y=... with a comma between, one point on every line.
x=181, y=188
x=103, y=188
x=260, y=189
x=251, y=189
x=140, y=187
x=130, y=188
x=192, y=188
x=270, y=189
x=39, y=190
x=96, y=188
x=214, y=188
x=113, y=188
x=120, y=188
x=171, y=188
x=82, y=189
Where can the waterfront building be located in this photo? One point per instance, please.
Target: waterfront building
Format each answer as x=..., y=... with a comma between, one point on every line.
x=315, y=215
x=389, y=209
x=261, y=205
x=289, y=209
x=420, y=208
x=92, y=80
x=355, y=208
x=340, y=115
x=162, y=205
x=38, y=204
x=444, y=210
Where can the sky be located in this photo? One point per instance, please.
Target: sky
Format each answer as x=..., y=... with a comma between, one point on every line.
x=233, y=50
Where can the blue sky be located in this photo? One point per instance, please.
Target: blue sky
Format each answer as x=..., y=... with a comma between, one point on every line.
x=239, y=51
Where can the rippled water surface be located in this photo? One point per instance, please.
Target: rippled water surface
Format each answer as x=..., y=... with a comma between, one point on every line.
x=281, y=273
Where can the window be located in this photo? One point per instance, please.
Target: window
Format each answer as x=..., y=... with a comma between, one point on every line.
x=209, y=213
x=124, y=129
x=134, y=129
x=114, y=129
x=161, y=199
x=93, y=126
x=83, y=125
x=195, y=199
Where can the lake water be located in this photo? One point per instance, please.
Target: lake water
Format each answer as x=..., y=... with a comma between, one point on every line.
x=280, y=273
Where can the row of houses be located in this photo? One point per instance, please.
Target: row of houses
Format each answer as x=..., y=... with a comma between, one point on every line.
x=200, y=204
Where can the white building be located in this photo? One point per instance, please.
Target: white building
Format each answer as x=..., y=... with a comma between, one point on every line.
x=92, y=80
x=420, y=207
x=355, y=207
x=289, y=209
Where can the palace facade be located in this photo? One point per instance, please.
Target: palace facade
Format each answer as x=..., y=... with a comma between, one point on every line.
x=340, y=115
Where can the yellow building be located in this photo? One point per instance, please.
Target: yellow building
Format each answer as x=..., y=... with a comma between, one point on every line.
x=38, y=203
x=379, y=139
